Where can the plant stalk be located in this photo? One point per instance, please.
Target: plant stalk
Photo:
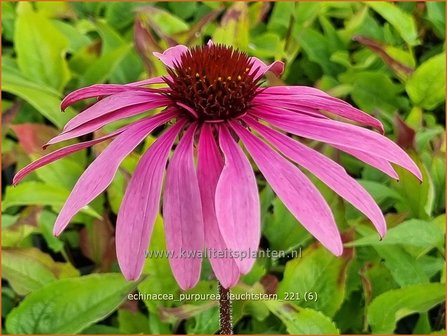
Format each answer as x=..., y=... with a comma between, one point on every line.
x=225, y=311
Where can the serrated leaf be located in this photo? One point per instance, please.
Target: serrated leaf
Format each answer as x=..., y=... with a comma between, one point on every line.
x=410, y=233
x=389, y=307
x=302, y=321
x=317, y=271
x=68, y=306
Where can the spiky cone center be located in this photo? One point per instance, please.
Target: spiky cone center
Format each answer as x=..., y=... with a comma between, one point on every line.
x=213, y=83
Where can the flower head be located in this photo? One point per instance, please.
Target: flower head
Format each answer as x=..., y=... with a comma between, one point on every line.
x=214, y=102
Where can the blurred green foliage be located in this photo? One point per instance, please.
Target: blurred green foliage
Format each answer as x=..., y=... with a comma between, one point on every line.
x=386, y=58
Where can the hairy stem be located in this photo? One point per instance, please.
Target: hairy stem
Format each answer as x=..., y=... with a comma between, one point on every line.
x=225, y=311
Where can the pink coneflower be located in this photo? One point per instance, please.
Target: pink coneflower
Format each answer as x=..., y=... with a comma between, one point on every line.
x=214, y=103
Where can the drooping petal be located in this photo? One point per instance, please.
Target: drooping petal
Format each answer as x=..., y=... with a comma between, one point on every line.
x=295, y=90
x=272, y=108
x=319, y=101
x=276, y=67
x=171, y=55
x=209, y=167
x=295, y=189
x=149, y=81
x=373, y=161
x=376, y=162
x=342, y=134
x=101, y=90
x=328, y=171
x=237, y=203
x=182, y=211
x=115, y=102
x=100, y=173
x=60, y=153
x=95, y=124
x=140, y=205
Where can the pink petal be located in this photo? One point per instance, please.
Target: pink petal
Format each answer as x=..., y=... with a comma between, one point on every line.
x=373, y=161
x=101, y=90
x=272, y=108
x=97, y=123
x=295, y=90
x=149, y=81
x=318, y=101
x=100, y=173
x=295, y=189
x=342, y=134
x=60, y=153
x=172, y=55
x=140, y=205
x=116, y=102
x=237, y=203
x=326, y=170
x=209, y=167
x=182, y=210
x=276, y=67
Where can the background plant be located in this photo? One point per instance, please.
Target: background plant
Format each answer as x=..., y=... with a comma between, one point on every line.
x=388, y=59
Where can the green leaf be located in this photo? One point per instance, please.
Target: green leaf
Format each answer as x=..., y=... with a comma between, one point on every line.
x=402, y=265
x=302, y=321
x=156, y=269
x=70, y=305
x=401, y=21
x=101, y=329
x=267, y=45
x=373, y=91
x=426, y=87
x=130, y=67
x=233, y=29
x=436, y=15
x=101, y=69
x=438, y=174
x=379, y=191
x=169, y=24
x=184, y=10
x=36, y=193
x=121, y=14
x=46, y=222
x=417, y=197
x=8, y=18
x=282, y=229
x=133, y=322
x=42, y=98
x=40, y=48
x=76, y=38
x=390, y=307
x=317, y=272
x=30, y=269
x=206, y=322
x=318, y=50
x=280, y=17
x=15, y=235
x=410, y=233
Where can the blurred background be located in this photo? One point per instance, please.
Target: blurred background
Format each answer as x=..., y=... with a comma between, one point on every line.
x=385, y=58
